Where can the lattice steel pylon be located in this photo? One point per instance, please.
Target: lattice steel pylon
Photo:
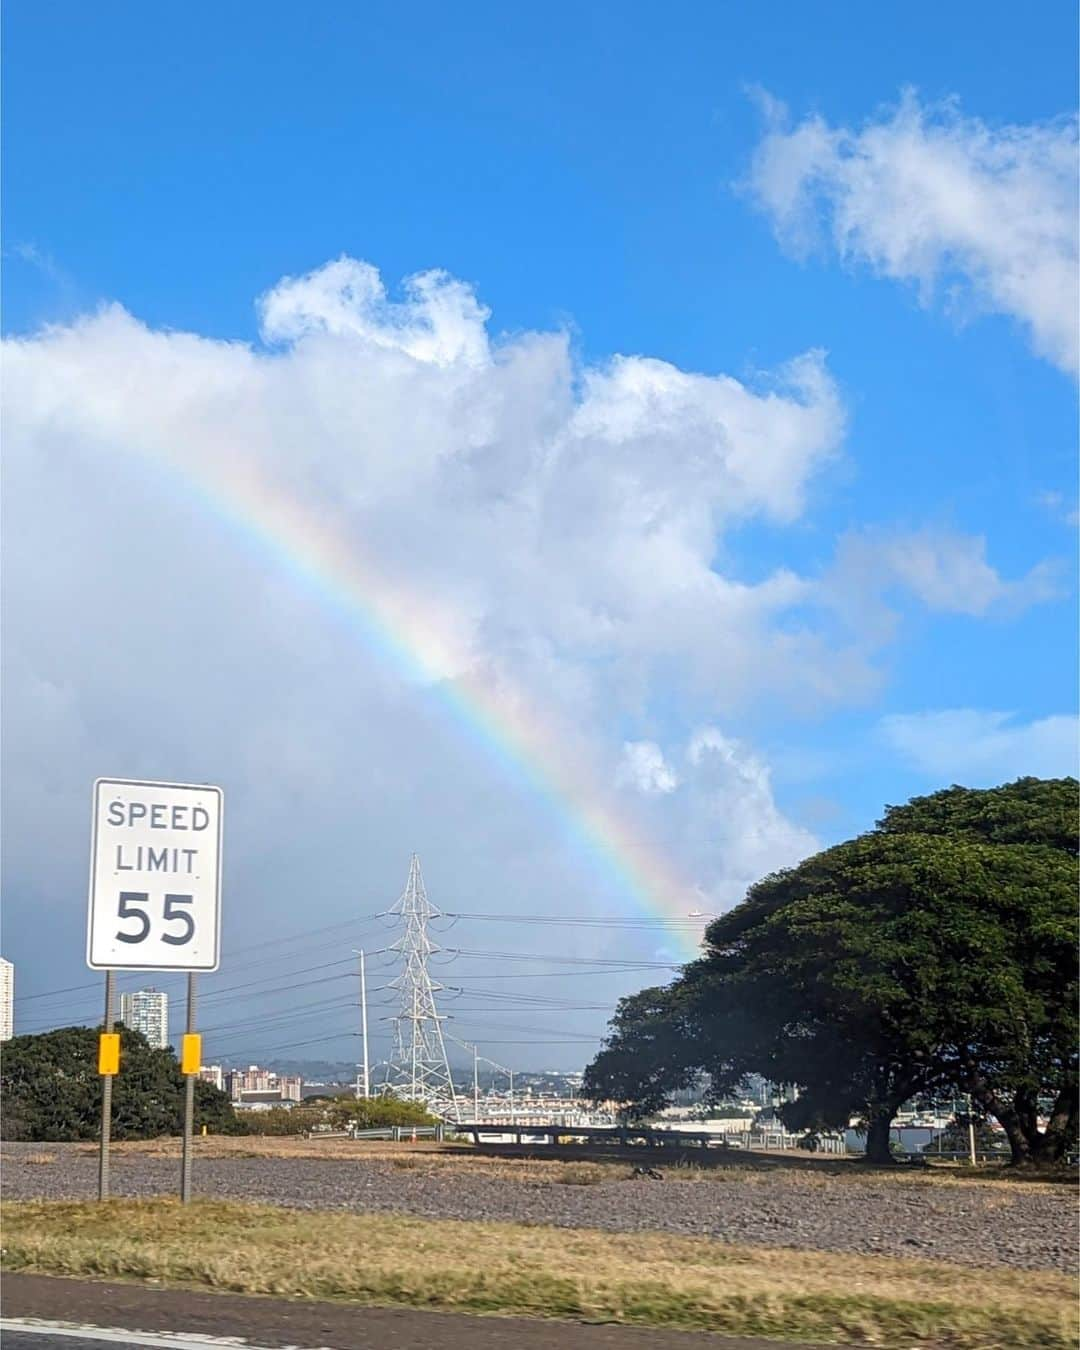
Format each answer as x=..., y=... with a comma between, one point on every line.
x=418, y=1069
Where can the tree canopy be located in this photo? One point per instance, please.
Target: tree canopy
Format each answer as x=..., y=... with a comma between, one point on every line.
x=340, y=1112
x=936, y=953
x=52, y=1091
x=1028, y=811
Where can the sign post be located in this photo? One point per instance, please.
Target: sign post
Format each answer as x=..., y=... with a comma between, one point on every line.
x=155, y=904
x=189, y=1066
x=108, y=1065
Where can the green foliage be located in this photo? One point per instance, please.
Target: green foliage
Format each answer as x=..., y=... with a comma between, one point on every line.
x=52, y=1090
x=337, y=1113
x=936, y=951
x=277, y=1120
x=1029, y=811
x=375, y=1113
x=652, y=1052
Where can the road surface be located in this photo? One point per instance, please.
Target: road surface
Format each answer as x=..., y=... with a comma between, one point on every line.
x=136, y=1316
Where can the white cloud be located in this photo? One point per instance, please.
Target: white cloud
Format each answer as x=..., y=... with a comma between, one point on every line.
x=979, y=749
x=733, y=818
x=921, y=194
x=644, y=768
x=544, y=514
x=948, y=572
x=439, y=321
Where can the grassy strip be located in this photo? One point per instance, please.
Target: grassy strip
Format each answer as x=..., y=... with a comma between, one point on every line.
x=646, y=1279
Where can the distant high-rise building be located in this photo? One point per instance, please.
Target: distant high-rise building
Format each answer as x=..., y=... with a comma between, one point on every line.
x=147, y=1010
x=7, y=1000
x=264, y=1084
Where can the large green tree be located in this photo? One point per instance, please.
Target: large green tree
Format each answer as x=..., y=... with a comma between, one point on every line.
x=1020, y=1063
x=937, y=952
x=52, y=1092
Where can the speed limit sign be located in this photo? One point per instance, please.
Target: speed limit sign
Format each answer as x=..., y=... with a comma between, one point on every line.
x=155, y=876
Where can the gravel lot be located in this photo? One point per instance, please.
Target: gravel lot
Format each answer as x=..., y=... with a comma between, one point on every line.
x=984, y=1224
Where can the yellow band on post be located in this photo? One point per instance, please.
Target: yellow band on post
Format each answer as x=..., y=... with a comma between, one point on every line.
x=191, y=1053
x=108, y=1055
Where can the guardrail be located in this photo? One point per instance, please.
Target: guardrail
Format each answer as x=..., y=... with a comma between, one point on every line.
x=954, y=1154
x=403, y=1132
x=628, y=1136
x=551, y=1135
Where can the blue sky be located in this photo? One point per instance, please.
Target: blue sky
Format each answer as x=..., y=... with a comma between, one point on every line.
x=600, y=172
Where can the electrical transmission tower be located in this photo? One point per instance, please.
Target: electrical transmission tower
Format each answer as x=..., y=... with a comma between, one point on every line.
x=418, y=1069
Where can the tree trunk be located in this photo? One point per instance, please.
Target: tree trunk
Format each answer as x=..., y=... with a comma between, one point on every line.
x=1026, y=1103
x=878, y=1126
x=1002, y=1109
x=1007, y=1116
x=1051, y=1145
x=1029, y=1145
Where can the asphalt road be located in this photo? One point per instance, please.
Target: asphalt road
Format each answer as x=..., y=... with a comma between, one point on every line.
x=138, y=1316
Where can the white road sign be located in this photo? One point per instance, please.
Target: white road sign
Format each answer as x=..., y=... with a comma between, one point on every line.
x=155, y=876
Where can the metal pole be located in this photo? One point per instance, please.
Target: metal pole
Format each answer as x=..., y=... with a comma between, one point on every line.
x=189, y=1102
x=475, y=1085
x=106, y=1094
x=971, y=1131
x=363, y=1026
x=415, y=1028
x=511, y=1073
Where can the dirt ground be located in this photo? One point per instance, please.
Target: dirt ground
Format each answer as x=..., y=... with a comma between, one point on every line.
x=810, y=1205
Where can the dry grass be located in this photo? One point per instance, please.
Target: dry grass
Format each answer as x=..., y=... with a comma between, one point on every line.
x=428, y=1157
x=647, y=1279
x=39, y=1159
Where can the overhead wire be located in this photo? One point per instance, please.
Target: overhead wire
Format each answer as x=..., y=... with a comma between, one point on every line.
x=579, y=921
x=292, y=939
x=479, y=1002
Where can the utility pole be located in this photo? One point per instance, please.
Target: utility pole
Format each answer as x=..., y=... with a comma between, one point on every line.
x=418, y=1069
x=414, y=1089
x=363, y=1030
x=475, y=1084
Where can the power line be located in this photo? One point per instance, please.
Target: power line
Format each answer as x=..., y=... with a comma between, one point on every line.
x=554, y=974
x=292, y=939
x=474, y=953
x=580, y=921
x=487, y=1041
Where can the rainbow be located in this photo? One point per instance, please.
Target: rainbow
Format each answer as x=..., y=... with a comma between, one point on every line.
x=421, y=640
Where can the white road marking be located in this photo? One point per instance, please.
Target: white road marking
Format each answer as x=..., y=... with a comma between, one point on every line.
x=159, y=1340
